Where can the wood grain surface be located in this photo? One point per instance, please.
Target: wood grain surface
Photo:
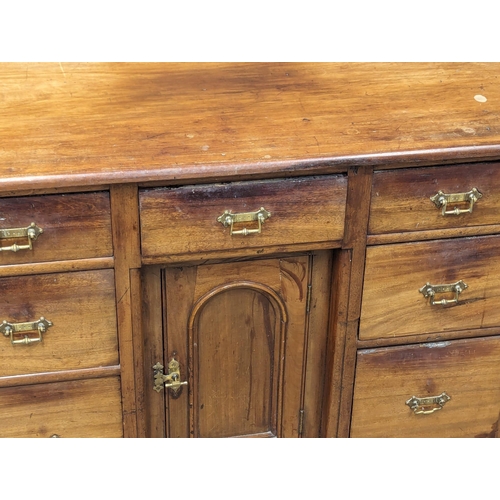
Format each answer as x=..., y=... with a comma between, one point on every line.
x=82, y=408
x=75, y=226
x=191, y=138
x=237, y=348
x=81, y=306
x=245, y=351
x=80, y=124
x=401, y=199
x=125, y=227
x=184, y=220
x=357, y=213
x=152, y=327
x=467, y=370
x=393, y=306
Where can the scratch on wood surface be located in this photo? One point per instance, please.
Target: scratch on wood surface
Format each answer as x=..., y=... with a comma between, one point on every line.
x=124, y=293
x=317, y=144
x=432, y=345
x=60, y=65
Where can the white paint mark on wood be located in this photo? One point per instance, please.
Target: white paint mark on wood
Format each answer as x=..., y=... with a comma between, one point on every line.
x=469, y=130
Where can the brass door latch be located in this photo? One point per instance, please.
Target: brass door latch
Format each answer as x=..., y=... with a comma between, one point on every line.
x=172, y=380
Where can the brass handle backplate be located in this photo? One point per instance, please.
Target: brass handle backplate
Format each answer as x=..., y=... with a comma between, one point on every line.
x=429, y=290
x=31, y=232
x=171, y=381
x=227, y=219
x=442, y=201
x=426, y=406
x=13, y=329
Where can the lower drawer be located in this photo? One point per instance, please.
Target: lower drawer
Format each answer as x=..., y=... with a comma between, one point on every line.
x=397, y=304
x=391, y=384
x=83, y=408
x=81, y=309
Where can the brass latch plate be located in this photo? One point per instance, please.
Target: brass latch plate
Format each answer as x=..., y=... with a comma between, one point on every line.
x=172, y=380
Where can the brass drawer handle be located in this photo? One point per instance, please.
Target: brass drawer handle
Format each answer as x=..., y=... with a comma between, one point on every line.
x=228, y=219
x=429, y=290
x=171, y=381
x=426, y=406
x=31, y=232
x=442, y=200
x=12, y=329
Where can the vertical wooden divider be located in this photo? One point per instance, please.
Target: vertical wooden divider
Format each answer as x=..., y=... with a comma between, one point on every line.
x=126, y=247
x=316, y=352
x=346, y=307
x=152, y=349
x=357, y=214
x=136, y=294
x=336, y=342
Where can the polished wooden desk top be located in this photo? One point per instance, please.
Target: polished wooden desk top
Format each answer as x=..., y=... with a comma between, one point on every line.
x=69, y=125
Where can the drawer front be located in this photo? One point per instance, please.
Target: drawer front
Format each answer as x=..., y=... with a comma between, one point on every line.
x=393, y=306
x=466, y=371
x=75, y=226
x=184, y=220
x=81, y=308
x=401, y=201
x=83, y=408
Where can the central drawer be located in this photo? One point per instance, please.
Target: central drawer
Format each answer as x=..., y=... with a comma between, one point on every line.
x=393, y=304
x=191, y=219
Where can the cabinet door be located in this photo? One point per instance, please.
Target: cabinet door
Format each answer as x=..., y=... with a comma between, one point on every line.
x=239, y=331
